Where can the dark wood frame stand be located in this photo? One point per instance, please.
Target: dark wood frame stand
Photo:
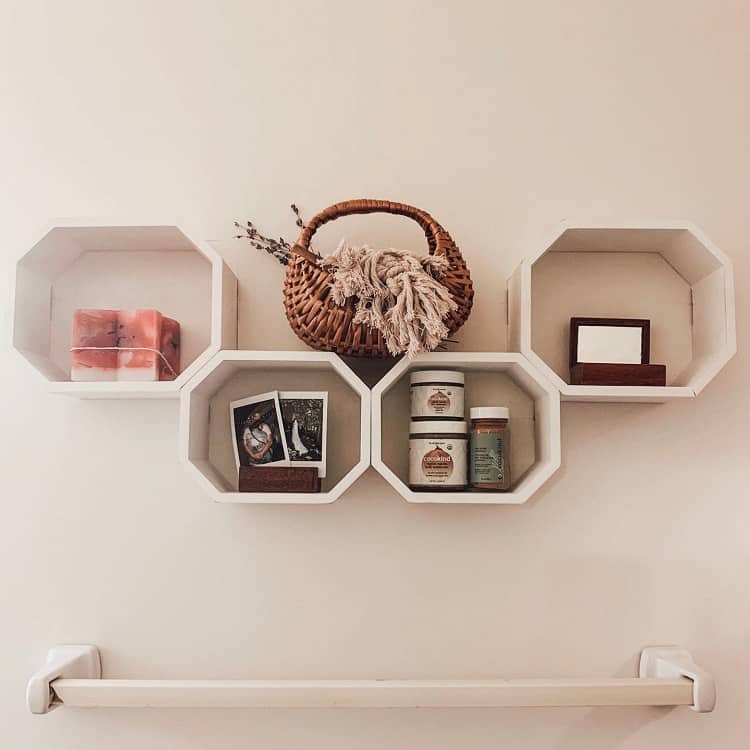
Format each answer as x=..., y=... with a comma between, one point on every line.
x=606, y=373
x=279, y=479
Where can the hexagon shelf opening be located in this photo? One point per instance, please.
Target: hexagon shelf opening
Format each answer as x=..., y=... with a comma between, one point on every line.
x=492, y=379
x=671, y=274
x=121, y=266
x=205, y=433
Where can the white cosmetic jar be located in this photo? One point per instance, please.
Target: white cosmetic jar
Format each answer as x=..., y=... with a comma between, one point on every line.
x=437, y=394
x=437, y=455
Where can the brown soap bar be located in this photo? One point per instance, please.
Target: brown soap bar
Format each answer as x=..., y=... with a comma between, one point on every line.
x=593, y=373
x=279, y=479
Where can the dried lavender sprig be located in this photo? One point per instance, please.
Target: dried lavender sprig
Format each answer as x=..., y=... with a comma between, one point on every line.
x=262, y=243
x=298, y=220
x=278, y=248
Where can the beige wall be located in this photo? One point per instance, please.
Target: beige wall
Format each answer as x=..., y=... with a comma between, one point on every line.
x=501, y=119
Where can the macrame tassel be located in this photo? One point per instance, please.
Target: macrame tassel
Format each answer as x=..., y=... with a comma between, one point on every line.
x=397, y=293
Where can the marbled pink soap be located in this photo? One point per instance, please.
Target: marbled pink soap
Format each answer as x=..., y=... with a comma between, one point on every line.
x=94, y=335
x=170, y=348
x=138, y=345
x=139, y=339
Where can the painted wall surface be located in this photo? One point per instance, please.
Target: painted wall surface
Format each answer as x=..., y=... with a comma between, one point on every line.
x=501, y=118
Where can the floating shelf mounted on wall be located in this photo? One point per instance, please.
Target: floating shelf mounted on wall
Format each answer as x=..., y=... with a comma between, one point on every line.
x=667, y=676
x=121, y=265
x=205, y=437
x=491, y=378
x=668, y=272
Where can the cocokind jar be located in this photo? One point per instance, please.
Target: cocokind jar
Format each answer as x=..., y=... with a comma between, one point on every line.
x=437, y=455
x=437, y=394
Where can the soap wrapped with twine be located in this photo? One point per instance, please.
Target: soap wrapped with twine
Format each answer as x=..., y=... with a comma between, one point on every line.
x=138, y=345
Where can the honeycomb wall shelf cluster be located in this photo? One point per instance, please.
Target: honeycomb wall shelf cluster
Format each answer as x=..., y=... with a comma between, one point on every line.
x=671, y=273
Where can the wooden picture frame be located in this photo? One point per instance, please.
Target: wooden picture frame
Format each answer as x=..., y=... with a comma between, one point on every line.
x=642, y=323
x=631, y=373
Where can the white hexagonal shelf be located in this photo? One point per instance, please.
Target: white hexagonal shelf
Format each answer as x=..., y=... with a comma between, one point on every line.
x=205, y=433
x=120, y=265
x=671, y=274
x=492, y=378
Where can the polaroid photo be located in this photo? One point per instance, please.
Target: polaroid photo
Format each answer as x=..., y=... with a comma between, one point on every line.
x=258, y=432
x=304, y=415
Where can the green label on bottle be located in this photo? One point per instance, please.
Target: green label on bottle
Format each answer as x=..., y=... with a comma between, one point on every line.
x=487, y=459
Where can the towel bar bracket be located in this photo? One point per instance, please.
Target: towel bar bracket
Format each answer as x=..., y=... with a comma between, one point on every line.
x=67, y=662
x=668, y=662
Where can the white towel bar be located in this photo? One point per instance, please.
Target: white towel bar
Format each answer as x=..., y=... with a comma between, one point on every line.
x=72, y=677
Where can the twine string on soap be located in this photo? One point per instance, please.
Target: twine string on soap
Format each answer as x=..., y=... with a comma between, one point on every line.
x=124, y=349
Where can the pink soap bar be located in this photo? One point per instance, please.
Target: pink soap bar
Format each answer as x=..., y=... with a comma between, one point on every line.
x=92, y=354
x=139, y=341
x=138, y=345
x=170, y=349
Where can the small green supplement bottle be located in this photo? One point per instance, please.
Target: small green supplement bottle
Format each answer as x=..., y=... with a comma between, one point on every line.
x=489, y=448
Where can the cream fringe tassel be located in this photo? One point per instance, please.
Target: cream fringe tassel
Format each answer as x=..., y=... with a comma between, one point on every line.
x=397, y=293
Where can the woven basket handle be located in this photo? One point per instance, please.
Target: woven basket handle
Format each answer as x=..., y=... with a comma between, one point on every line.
x=437, y=237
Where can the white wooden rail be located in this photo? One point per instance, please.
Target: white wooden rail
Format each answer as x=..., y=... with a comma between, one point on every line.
x=72, y=677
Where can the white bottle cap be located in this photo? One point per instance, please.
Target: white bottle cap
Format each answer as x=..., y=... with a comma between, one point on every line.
x=489, y=412
x=439, y=426
x=436, y=376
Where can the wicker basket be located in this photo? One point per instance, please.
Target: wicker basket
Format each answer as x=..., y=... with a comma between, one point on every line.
x=321, y=323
